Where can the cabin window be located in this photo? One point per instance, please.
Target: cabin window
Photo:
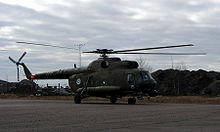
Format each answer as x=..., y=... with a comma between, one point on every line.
x=139, y=78
x=130, y=78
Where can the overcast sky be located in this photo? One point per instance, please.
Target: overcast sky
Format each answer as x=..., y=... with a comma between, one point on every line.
x=112, y=24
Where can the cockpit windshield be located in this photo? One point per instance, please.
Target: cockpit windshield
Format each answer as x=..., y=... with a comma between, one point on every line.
x=150, y=76
x=145, y=76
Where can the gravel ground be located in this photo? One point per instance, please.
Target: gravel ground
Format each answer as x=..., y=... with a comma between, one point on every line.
x=63, y=116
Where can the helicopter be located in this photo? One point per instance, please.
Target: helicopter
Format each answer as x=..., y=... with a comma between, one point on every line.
x=109, y=77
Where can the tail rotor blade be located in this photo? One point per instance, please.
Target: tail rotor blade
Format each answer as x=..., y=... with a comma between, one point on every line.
x=22, y=56
x=12, y=60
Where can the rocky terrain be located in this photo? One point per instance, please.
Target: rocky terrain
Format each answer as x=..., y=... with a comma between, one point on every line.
x=24, y=87
x=184, y=82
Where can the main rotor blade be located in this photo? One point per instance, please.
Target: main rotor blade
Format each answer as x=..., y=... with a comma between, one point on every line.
x=12, y=60
x=22, y=56
x=56, y=46
x=100, y=51
x=164, y=53
x=164, y=47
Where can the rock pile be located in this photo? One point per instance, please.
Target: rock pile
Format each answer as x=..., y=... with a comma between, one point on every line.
x=175, y=82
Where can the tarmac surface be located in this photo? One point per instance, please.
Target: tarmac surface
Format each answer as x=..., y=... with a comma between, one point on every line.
x=65, y=116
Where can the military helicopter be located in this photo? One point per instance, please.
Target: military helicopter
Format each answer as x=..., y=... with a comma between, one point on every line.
x=109, y=77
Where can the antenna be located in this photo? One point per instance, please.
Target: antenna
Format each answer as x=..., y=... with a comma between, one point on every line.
x=18, y=63
x=171, y=57
x=79, y=47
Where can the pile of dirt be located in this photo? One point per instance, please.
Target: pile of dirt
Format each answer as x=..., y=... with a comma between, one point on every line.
x=176, y=82
x=3, y=86
x=24, y=87
x=213, y=89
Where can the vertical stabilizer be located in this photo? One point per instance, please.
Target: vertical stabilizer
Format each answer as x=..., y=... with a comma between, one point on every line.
x=27, y=71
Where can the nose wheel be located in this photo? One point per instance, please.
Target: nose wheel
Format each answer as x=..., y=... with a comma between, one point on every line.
x=131, y=100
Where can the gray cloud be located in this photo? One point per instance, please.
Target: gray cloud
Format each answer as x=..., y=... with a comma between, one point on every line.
x=111, y=24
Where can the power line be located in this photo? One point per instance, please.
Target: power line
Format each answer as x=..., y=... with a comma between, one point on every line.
x=79, y=48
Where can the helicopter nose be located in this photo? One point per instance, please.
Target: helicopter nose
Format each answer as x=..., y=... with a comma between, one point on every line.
x=150, y=84
x=148, y=87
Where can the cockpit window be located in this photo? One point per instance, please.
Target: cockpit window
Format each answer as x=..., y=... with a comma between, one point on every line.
x=150, y=76
x=130, y=78
x=145, y=76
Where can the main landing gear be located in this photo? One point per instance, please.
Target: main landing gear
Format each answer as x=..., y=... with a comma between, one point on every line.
x=77, y=98
x=113, y=99
x=81, y=93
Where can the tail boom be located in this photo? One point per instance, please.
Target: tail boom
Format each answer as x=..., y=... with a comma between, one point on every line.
x=59, y=74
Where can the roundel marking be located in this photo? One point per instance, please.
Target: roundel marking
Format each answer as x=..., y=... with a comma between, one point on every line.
x=78, y=81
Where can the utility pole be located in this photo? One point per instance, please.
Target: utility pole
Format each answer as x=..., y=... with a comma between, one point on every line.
x=172, y=62
x=18, y=73
x=7, y=90
x=79, y=47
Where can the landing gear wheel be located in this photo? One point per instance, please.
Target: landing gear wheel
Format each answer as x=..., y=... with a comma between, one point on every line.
x=77, y=99
x=113, y=99
x=131, y=100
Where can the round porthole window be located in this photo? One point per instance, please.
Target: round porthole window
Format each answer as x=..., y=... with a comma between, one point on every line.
x=104, y=64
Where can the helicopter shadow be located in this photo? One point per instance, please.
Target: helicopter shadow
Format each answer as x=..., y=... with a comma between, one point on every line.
x=119, y=103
